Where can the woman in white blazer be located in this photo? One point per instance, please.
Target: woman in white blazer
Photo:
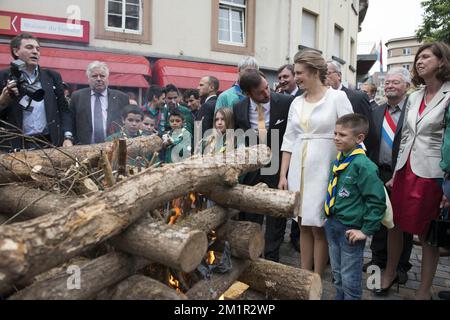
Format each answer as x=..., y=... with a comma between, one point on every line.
x=308, y=150
x=416, y=189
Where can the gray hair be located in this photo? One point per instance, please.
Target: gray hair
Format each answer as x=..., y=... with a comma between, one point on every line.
x=337, y=66
x=97, y=65
x=248, y=62
x=406, y=76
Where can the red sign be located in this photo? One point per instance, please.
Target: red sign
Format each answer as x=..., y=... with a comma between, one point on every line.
x=43, y=27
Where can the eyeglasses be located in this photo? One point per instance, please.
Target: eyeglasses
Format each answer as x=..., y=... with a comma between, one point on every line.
x=395, y=83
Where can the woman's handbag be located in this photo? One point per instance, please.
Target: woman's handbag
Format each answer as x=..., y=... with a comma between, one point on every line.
x=439, y=233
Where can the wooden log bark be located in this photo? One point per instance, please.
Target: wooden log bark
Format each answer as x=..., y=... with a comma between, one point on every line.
x=31, y=247
x=207, y=220
x=17, y=166
x=174, y=246
x=246, y=239
x=279, y=281
x=139, y=287
x=213, y=288
x=273, y=202
x=32, y=202
x=94, y=275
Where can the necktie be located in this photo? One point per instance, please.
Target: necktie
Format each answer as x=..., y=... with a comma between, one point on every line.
x=340, y=164
x=388, y=129
x=262, y=132
x=99, y=131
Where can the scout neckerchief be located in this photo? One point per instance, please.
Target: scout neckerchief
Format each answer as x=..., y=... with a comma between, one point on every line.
x=340, y=164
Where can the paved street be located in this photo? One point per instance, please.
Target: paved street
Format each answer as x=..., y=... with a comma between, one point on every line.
x=441, y=281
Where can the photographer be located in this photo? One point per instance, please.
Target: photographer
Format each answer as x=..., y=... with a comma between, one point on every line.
x=32, y=99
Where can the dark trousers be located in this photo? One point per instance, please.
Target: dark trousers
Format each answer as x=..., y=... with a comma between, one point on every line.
x=295, y=231
x=274, y=235
x=379, y=239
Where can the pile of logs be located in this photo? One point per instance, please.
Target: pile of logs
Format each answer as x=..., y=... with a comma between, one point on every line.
x=109, y=238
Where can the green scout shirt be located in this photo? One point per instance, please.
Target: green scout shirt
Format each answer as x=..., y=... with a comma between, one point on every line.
x=178, y=137
x=229, y=97
x=445, y=149
x=360, y=197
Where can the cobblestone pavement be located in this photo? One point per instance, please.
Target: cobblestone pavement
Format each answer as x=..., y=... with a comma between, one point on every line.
x=441, y=281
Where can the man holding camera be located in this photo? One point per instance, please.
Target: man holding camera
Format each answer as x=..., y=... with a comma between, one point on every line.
x=32, y=101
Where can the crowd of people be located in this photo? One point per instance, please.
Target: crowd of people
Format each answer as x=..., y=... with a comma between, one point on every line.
x=346, y=155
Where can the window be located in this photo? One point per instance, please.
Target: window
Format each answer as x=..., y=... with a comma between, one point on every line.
x=124, y=20
x=233, y=26
x=232, y=22
x=124, y=15
x=337, y=49
x=309, y=29
x=407, y=51
x=406, y=66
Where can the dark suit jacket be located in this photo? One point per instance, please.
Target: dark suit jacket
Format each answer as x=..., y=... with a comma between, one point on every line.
x=80, y=105
x=56, y=109
x=206, y=114
x=378, y=118
x=279, y=110
x=361, y=104
x=373, y=105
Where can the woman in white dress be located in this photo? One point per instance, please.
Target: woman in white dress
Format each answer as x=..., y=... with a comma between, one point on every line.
x=308, y=150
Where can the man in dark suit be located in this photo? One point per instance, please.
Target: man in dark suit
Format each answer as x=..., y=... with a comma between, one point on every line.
x=287, y=85
x=47, y=119
x=358, y=99
x=97, y=109
x=207, y=89
x=388, y=120
x=266, y=113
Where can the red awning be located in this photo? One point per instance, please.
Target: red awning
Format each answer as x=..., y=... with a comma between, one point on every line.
x=186, y=74
x=125, y=70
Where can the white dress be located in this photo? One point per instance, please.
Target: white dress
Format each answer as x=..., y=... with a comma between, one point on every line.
x=310, y=142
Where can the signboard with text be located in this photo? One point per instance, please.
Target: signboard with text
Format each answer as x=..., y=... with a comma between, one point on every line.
x=43, y=27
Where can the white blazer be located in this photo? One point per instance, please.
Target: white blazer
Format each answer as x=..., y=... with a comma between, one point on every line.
x=422, y=135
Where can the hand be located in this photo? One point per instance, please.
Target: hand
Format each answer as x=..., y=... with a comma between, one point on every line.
x=67, y=143
x=390, y=184
x=444, y=202
x=355, y=235
x=9, y=91
x=283, y=184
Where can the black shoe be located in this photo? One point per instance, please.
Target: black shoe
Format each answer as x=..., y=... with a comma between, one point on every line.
x=444, y=295
x=402, y=276
x=372, y=262
x=385, y=291
x=296, y=244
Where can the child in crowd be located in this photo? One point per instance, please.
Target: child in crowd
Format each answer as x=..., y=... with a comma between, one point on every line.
x=132, y=117
x=148, y=125
x=355, y=206
x=177, y=142
x=217, y=141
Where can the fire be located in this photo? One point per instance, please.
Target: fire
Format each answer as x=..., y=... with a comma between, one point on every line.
x=192, y=198
x=174, y=218
x=174, y=283
x=213, y=235
x=211, y=257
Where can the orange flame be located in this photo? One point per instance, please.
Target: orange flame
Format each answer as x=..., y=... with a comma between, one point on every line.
x=213, y=235
x=192, y=198
x=174, y=218
x=174, y=283
x=211, y=257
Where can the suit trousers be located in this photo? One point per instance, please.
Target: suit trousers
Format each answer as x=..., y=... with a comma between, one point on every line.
x=273, y=236
x=379, y=239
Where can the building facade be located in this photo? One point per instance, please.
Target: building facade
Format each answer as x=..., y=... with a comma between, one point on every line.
x=204, y=34
x=401, y=52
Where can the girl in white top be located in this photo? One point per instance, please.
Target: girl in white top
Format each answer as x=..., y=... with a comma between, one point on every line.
x=308, y=150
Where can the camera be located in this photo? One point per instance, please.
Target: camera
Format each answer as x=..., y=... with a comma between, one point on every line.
x=25, y=89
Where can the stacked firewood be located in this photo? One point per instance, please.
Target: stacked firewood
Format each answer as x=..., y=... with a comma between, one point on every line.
x=103, y=240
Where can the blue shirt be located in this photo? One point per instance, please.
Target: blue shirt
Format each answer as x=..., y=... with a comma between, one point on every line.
x=34, y=122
